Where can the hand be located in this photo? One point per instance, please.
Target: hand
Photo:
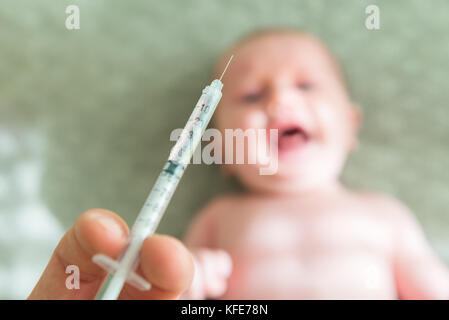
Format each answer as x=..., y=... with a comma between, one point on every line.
x=212, y=269
x=164, y=261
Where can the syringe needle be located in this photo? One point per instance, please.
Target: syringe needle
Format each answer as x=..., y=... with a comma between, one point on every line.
x=229, y=61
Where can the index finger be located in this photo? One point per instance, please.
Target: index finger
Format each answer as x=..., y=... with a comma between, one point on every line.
x=95, y=231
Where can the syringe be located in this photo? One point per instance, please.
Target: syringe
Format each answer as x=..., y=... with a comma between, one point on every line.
x=152, y=211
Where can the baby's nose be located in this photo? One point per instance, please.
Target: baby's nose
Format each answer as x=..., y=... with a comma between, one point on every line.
x=283, y=103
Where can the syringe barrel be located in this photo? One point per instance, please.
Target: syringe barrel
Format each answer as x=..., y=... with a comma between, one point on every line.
x=180, y=155
x=162, y=191
x=157, y=201
x=199, y=119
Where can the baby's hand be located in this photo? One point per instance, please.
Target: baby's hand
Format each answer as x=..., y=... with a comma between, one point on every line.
x=212, y=269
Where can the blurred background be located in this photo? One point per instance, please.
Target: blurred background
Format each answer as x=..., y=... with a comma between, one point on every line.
x=85, y=115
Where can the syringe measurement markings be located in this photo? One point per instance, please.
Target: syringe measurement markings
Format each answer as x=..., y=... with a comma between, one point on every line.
x=194, y=121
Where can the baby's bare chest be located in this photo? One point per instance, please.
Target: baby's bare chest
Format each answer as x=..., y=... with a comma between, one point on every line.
x=303, y=228
x=308, y=250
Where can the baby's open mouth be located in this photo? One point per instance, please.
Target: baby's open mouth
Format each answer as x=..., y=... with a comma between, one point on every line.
x=292, y=137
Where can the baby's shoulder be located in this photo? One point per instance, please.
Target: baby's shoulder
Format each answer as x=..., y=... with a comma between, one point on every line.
x=221, y=204
x=384, y=205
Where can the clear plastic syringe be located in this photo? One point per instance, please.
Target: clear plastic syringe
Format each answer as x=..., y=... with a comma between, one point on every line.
x=152, y=211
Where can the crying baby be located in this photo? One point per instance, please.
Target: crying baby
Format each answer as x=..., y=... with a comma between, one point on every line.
x=299, y=233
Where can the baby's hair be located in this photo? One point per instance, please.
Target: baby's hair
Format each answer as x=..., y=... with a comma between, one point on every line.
x=260, y=33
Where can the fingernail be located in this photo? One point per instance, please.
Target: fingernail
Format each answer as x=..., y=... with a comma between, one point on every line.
x=109, y=223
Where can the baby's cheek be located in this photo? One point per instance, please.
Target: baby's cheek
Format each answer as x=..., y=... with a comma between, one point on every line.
x=332, y=122
x=254, y=119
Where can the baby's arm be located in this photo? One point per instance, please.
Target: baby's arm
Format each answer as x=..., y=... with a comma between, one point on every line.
x=419, y=273
x=212, y=265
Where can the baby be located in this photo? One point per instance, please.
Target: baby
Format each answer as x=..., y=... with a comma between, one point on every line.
x=300, y=234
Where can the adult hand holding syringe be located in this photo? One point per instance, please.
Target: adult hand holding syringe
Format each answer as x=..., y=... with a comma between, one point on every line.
x=164, y=261
x=146, y=223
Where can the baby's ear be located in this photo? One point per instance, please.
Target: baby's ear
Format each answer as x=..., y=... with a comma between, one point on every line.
x=356, y=121
x=356, y=116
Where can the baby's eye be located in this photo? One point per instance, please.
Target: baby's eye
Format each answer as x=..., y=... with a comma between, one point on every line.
x=305, y=85
x=253, y=97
